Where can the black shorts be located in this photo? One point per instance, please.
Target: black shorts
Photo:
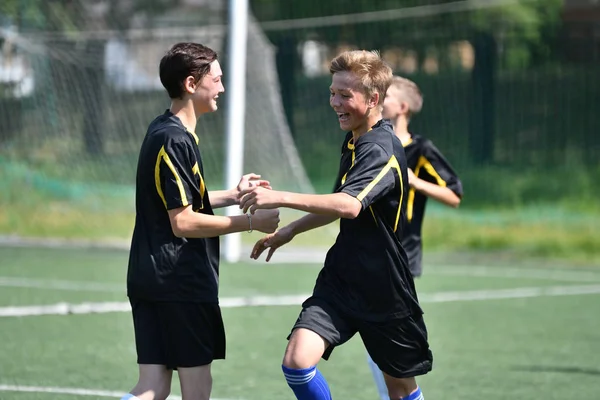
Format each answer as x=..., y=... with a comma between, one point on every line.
x=398, y=346
x=178, y=334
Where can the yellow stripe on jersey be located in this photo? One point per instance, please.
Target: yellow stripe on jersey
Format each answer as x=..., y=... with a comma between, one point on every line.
x=196, y=171
x=351, y=165
x=392, y=163
x=162, y=155
x=194, y=136
x=431, y=171
x=421, y=163
x=350, y=147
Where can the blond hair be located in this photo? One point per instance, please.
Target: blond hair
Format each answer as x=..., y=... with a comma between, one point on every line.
x=374, y=74
x=408, y=92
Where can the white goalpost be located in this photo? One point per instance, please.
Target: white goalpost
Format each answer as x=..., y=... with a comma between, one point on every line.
x=236, y=113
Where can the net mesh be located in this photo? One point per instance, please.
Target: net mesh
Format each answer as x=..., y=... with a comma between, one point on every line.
x=74, y=112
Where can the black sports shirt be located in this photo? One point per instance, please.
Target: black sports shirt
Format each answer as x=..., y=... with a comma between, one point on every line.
x=163, y=267
x=366, y=270
x=428, y=163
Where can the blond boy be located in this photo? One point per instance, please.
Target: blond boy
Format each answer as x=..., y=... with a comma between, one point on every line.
x=365, y=285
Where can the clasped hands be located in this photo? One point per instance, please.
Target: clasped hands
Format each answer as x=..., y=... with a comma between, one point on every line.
x=253, y=195
x=258, y=194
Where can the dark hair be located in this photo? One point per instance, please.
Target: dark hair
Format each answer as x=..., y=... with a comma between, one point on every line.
x=181, y=61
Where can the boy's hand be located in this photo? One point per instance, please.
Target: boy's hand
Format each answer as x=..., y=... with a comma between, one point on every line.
x=255, y=198
x=265, y=221
x=272, y=242
x=251, y=181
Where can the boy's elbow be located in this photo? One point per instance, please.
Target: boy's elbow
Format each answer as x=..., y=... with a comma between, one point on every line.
x=178, y=227
x=177, y=231
x=352, y=209
x=456, y=202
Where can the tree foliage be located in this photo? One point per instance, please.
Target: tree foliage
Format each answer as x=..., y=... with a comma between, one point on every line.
x=526, y=30
x=75, y=15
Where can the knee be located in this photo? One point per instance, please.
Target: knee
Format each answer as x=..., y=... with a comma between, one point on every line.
x=295, y=360
x=304, y=350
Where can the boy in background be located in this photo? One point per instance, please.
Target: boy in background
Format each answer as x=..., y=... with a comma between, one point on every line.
x=429, y=175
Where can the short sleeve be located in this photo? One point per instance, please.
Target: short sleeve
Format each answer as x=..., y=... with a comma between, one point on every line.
x=174, y=175
x=372, y=175
x=436, y=169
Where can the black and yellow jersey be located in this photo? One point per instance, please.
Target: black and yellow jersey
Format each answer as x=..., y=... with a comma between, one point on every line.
x=427, y=163
x=163, y=267
x=366, y=270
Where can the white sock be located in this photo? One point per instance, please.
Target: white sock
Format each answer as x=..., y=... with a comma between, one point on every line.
x=379, y=381
x=129, y=396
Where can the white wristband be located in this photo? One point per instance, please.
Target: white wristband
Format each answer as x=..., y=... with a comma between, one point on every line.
x=249, y=222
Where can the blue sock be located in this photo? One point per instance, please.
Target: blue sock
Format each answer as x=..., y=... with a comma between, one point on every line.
x=416, y=395
x=307, y=384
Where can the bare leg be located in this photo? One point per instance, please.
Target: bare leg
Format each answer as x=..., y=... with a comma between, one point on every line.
x=304, y=349
x=399, y=387
x=154, y=382
x=196, y=382
x=302, y=354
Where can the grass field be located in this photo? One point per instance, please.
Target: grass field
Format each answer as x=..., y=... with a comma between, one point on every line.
x=40, y=202
x=497, y=330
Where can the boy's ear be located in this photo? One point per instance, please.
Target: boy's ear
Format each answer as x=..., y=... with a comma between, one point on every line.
x=373, y=100
x=189, y=84
x=404, y=108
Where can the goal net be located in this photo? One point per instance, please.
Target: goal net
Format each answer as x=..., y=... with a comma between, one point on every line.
x=74, y=111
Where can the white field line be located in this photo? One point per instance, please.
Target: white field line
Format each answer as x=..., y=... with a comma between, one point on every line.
x=71, y=391
x=518, y=273
x=61, y=390
x=56, y=284
x=232, y=302
x=483, y=272
x=518, y=293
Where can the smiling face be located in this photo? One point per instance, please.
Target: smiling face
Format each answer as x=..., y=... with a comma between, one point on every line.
x=348, y=100
x=205, y=93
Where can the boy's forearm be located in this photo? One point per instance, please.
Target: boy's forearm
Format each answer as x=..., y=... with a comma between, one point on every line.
x=223, y=198
x=335, y=205
x=308, y=222
x=442, y=194
x=197, y=225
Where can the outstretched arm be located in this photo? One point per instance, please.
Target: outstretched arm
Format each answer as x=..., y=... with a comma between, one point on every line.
x=308, y=222
x=223, y=198
x=226, y=198
x=288, y=232
x=335, y=205
x=189, y=224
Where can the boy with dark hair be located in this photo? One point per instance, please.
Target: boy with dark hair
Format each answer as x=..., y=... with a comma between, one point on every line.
x=365, y=285
x=429, y=175
x=172, y=278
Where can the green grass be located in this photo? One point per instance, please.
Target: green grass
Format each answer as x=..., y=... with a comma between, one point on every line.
x=531, y=348
x=35, y=205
